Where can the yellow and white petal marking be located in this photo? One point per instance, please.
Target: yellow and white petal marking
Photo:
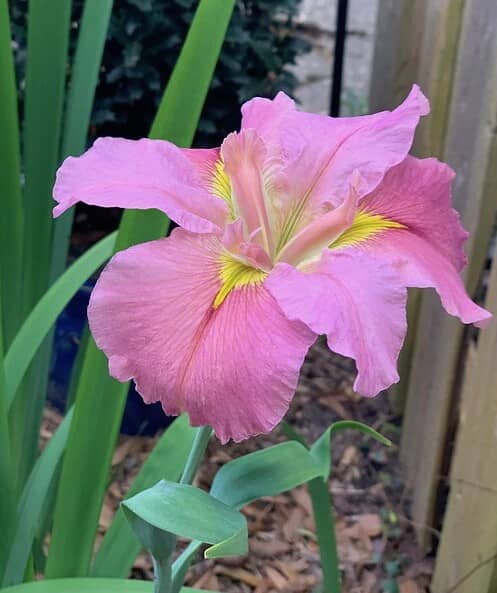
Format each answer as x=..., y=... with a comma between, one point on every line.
x=235, y=274
x=365, y=226
x=220, y=184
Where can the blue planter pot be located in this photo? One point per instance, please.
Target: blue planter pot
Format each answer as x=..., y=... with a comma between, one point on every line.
x=139, y=418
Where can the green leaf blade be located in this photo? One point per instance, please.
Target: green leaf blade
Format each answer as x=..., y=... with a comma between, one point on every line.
x=267, y=472
x=47, y=45
x=48, y=40
x=183, y=510
x=119, y=548
x=87, y=62
x=88, y=586
x=29, y=512
x=179, y=112
x=43, y=316
x=7, y=501
x=11, y=221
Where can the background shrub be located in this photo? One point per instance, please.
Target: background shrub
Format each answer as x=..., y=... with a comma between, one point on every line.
x=144, y=40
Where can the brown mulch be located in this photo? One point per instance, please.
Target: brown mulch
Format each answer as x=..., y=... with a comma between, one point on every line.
x=377, y=548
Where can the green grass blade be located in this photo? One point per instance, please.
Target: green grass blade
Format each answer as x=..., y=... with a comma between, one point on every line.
x=7, y=505
x=31, y=505
x=90, y=586
x=119, y=548
x=99, y=399
x=44, y=315
x=11, y=220
x=87, y=61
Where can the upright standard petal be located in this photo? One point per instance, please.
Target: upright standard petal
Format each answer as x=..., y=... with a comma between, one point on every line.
x=268, y=117
x=140, y=174
x=190, y=331
x=244, y=156
x=319, y=154
x=358, y=303
x=409, y=216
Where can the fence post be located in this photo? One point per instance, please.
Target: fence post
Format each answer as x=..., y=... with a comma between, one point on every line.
x=467, y=555
x=399, y=32
x=436, y=362
x=396, y=66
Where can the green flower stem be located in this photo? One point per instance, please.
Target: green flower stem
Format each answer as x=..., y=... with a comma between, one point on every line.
x=162, y=572
x=325, y=528
x=164, y=581
x=196, y=454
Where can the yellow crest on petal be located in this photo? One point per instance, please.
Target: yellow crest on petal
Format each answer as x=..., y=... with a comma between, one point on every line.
x=235, y=274
x=220, y=184
x=364, y=227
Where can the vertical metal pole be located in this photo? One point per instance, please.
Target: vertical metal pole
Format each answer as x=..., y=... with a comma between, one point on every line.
x=336, y=80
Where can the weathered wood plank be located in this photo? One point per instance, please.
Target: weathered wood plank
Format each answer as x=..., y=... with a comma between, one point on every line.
x=429, y=51
x=396, y=65
x=469, y=537
x=399, y=30
x=468, y=149
x=437, y=63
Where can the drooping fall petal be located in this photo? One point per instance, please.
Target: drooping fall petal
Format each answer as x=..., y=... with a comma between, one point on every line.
x=152, y=313
x=410, y=217
x=358, y=302
x=140, y=174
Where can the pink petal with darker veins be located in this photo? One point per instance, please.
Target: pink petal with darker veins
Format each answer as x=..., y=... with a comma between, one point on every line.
x=318, y=154
x=417, y=193
x=140, y=174
x=234, y=367
x=358, y=303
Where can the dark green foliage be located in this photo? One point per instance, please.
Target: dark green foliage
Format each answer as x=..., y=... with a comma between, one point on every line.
x=144, y=40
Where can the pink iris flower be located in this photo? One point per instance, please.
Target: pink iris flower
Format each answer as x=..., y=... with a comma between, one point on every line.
x=299, y=225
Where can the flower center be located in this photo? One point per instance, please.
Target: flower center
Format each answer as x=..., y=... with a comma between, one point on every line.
x=235, y=274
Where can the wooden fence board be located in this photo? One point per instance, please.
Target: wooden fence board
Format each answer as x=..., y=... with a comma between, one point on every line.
x=437, y=63
x=396, y=65
x=416, y=42
x=467, y=556
x=468, y=148
x=399, y=32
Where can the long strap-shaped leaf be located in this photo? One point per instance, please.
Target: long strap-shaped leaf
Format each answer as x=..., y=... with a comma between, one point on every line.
x=44, y=315
x=48, y=35
x=7, y=505
x=87, y=61
x=10, y=185
x=29, y=512
x=89, y=586
x=320, y=495
x=100, y=400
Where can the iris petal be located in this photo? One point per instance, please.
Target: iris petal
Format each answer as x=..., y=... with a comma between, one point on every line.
x=234, y=367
